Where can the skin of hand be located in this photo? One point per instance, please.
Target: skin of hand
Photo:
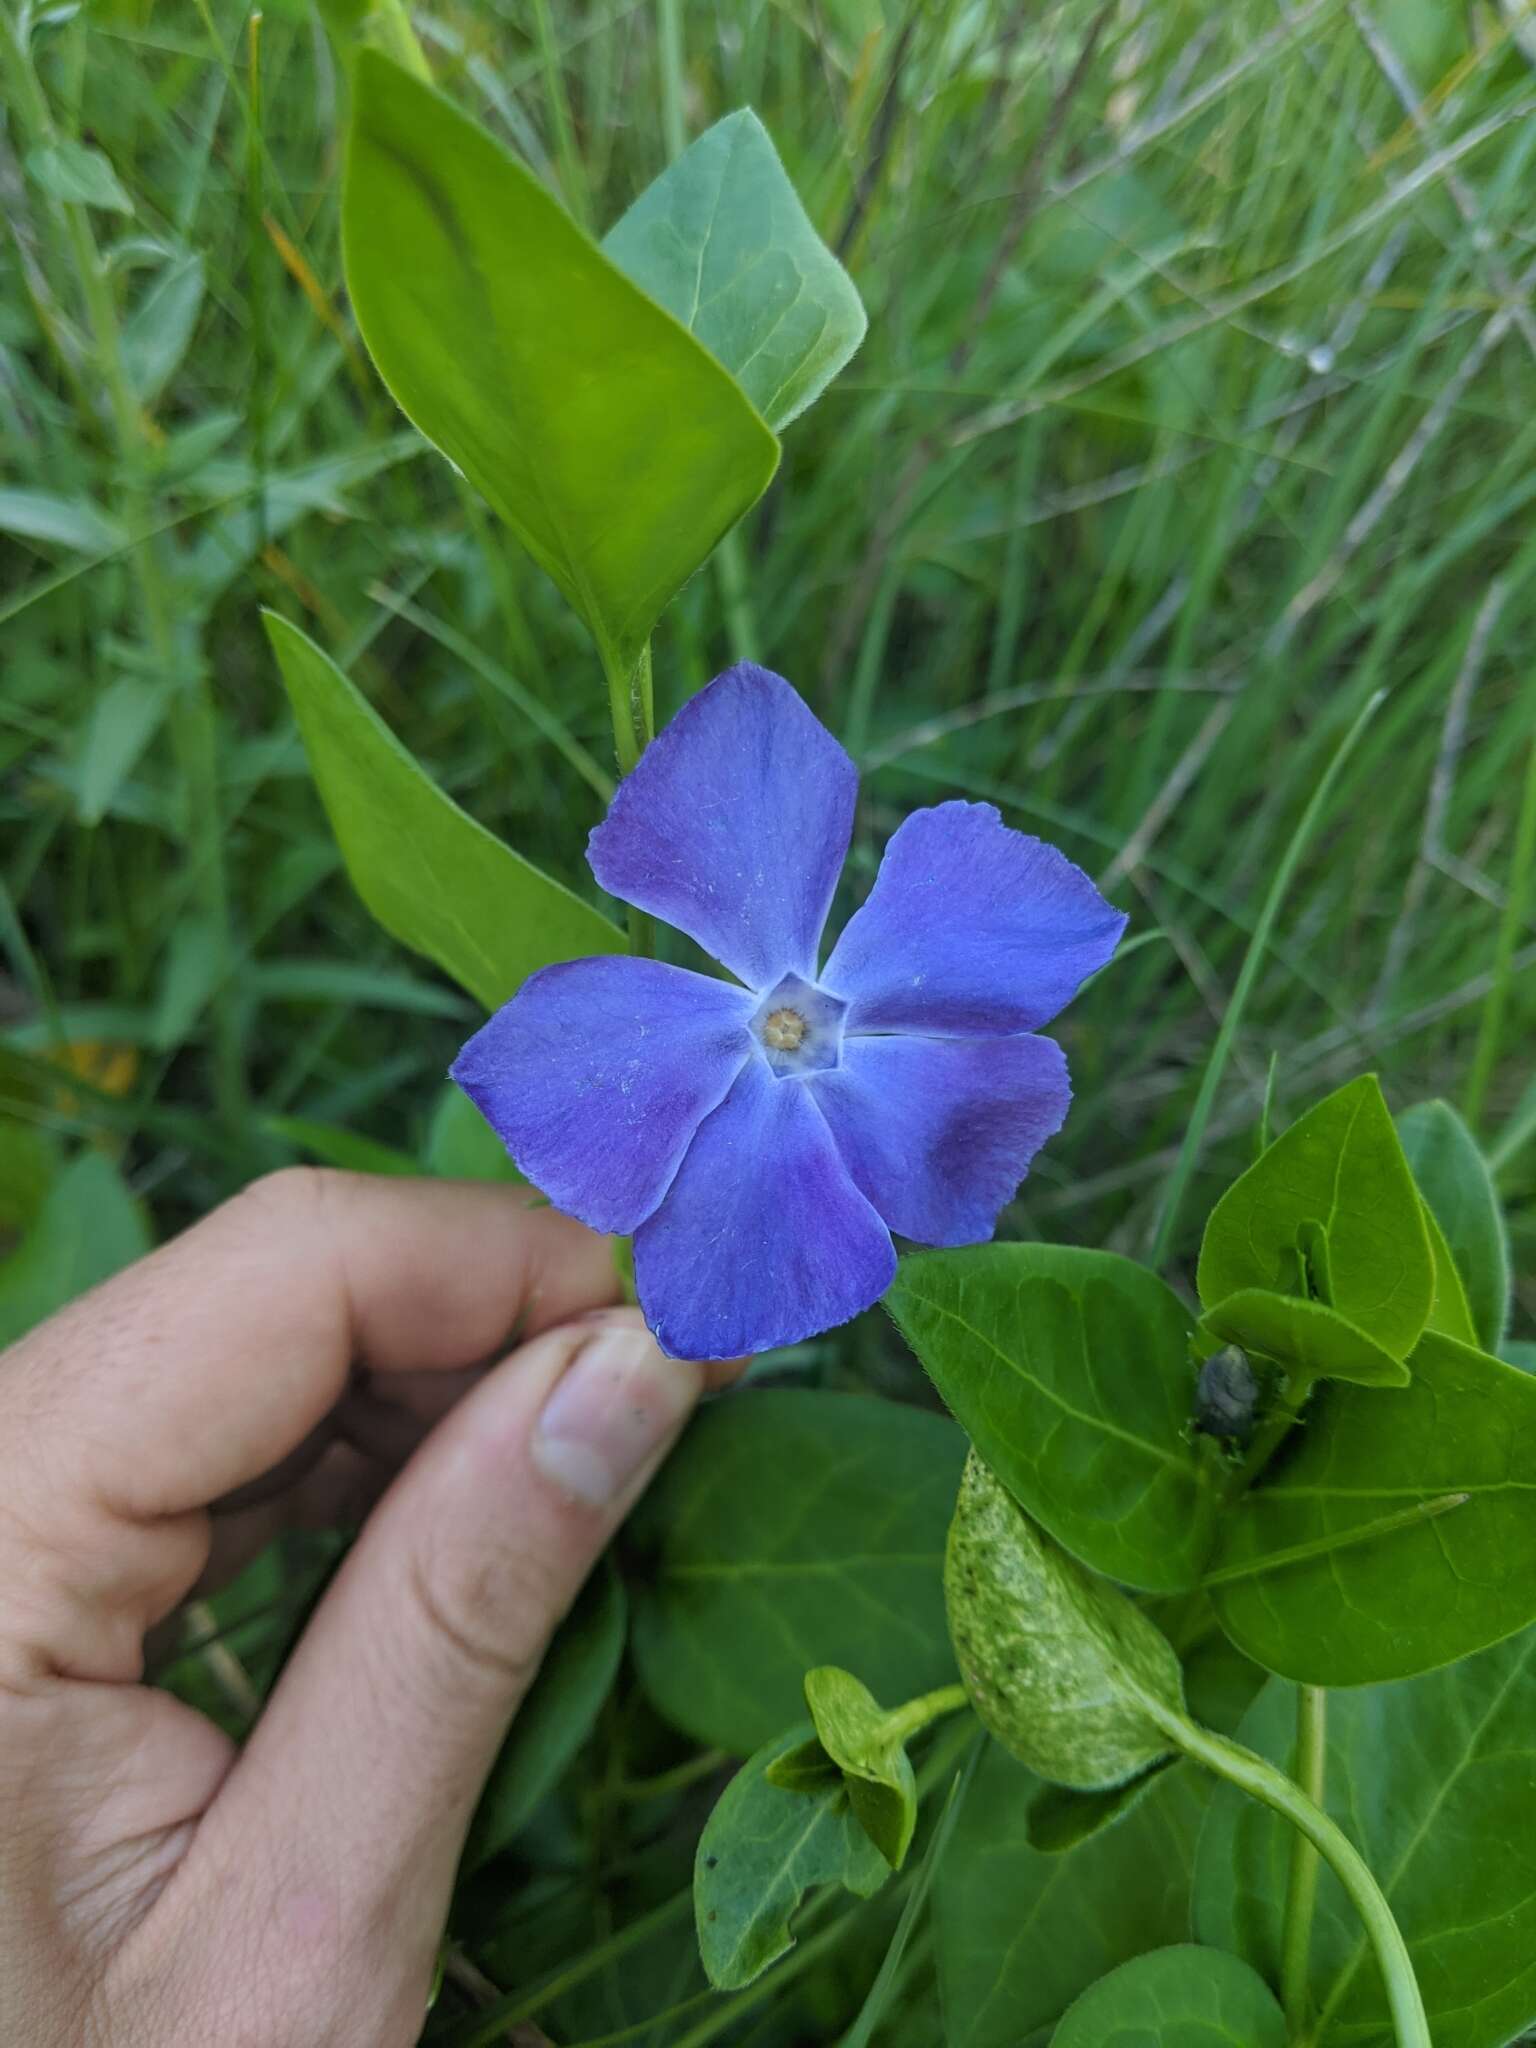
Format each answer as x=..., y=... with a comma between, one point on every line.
x=314, y=1350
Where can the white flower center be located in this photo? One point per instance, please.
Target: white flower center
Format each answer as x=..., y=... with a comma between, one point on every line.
x=799, y=1028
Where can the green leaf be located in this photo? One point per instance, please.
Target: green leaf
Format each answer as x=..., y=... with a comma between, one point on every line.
x=855, y=1734
x=1060, y=1666
x=1338, y=1172
x=123, y=721
x=1363, y=1607
x=1451, y=1314
x=63, y=521
x=76, y=172
x=29, y=1160
x=1454, y=1179
x=157, y=332
x=885, y=1994
x=88, y=1228
x=334, y=1146
x=1434, y=1783
x=555, y=1719
x=610, y=441
x=383, y=24
x=722, y=241
x=194, y=963
x=791, y=1529
x=345, y=982
x=1070, y=1371
x=432, y=877
x=761, y=1851
x=1019, y=1934
x=1220, y=1685
x=460, y=1143
x=1060, y=1818
x=1306, y=1337
x=1183, y=1997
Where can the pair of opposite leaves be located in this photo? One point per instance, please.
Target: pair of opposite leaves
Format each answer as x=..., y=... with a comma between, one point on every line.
x=1070, y=1371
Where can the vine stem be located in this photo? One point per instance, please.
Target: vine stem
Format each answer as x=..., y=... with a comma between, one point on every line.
x=906, y=1720
x=632, y=706
x=1216, y=1065
x=1259, y=1778
x=1301, y=1882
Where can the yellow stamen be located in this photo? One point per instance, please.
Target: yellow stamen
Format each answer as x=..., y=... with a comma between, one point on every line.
x=784, y=1030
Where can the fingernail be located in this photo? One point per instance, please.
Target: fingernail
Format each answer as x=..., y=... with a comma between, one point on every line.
x=615, y=1406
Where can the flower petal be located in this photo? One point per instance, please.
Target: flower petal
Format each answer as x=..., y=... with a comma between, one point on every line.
x=762, y=1239
x=970, y=928
x=938, y=1132
x=734, y=826
x=597, y=1074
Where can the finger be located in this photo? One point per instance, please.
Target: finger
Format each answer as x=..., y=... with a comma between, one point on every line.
x=208, y=1362
x=343, y=1820
x=204, y=1364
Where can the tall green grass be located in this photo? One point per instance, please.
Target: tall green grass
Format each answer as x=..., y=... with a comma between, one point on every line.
x=1198, y=406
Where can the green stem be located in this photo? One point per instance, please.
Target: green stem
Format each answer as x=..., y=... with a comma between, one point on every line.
x=1259, y=1778
x=1267, y=1439
x=631, y=704
x=1216, y=1066
x=903, y=1722
x=669, y=51
x=736, y=597
x=1301, y=1884
x=1490, y=1030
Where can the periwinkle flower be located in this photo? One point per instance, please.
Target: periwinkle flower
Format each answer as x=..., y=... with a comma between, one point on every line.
x=762, y=1138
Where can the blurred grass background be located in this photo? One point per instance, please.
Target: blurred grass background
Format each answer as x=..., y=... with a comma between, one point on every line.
x=1198, y=406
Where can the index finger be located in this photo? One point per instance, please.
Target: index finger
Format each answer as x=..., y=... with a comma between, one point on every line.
x=204, y=1364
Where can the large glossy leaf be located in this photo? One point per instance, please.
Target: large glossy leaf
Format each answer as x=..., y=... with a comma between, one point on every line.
x=761, y=1850
x=791, y=1529
x=1325, y=1600
x=555, y=1719
x=1334, y=1190
x=1020, y=1933
x=1058, y=1662
x=431, y=876
x=612, y=443
x=1455, y=1181
x=87, y=1228
x=1070, y=1371
x=1183, y=1997
x=722, y=241
x=1435, y=1782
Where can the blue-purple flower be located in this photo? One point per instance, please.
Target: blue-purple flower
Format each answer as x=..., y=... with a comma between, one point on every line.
x=762, y=1138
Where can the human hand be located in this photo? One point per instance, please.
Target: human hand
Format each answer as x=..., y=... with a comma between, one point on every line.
x=159, y=1888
